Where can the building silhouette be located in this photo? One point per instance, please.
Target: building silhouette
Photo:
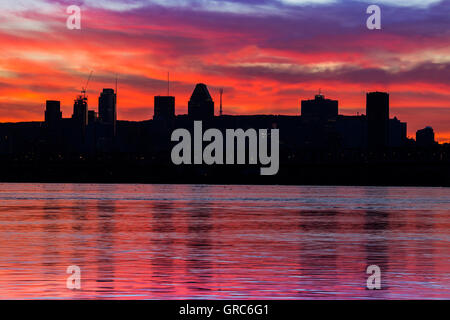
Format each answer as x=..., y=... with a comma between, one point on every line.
x=317, y=146
x=164, y=108
x=53, y=114
x=80, y=110
x=319, y=126
x=425, y=137
x=107, y=109
x=398, y=132
x=320, y=108
x=377, y=110
x=201, y=104
x=79, y=123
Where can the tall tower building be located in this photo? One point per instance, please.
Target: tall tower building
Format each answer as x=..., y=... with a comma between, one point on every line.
x=107, y=108
x=377, y=110
x=164, y=108
x=53, y=112
x=80, y=111
x=201, y=105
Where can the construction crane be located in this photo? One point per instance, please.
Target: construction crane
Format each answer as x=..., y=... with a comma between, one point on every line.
x=80, y=107
x=84, y=89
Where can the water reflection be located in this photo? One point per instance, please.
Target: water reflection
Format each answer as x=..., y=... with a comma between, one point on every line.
x=200, y=261
x=106, y=210
x=164, y=259
x=376, y=246
x=318, y=252
x=175, y=242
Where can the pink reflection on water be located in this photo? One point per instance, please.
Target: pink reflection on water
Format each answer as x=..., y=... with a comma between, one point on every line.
x=223, y=242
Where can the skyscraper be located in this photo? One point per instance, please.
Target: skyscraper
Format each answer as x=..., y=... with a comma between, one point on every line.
x=377, y=109
x=53, y=112
x=80, y=111
x=107, y=107
x=201, y=104
x=164, y=108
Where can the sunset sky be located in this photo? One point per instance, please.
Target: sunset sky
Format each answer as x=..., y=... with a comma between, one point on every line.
x=266, y=54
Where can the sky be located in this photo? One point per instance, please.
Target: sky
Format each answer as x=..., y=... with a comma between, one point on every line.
x=267, y=55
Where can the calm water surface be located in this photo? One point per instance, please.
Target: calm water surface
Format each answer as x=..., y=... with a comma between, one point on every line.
x=215, y=242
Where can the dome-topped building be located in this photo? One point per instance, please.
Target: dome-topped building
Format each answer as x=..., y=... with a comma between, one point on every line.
x=201, y=104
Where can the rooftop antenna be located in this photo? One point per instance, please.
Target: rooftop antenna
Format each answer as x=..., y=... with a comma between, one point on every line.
x=221, y=105
x=117, y=76
x=168, y=84
x=117, y=80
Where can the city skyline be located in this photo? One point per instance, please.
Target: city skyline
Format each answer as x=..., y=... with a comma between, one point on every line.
x=206, y=154
x=165, y=107
x=267, y=55
x=318, y=135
